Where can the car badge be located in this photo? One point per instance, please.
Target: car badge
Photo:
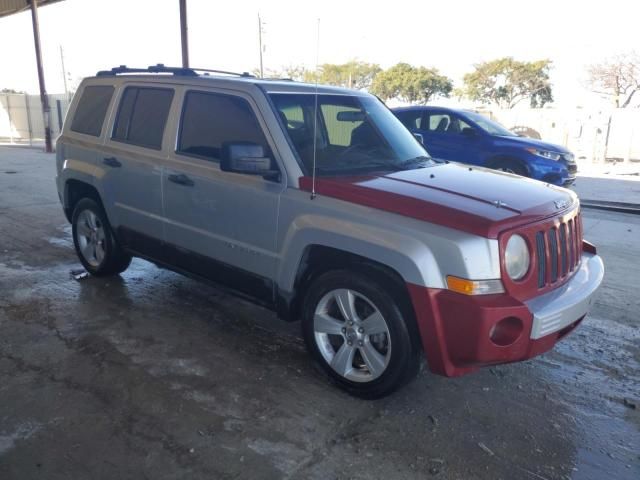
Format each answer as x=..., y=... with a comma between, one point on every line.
x=499, y=203
x=560, y=204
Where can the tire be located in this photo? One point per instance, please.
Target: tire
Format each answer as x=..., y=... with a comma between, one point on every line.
x=510, y=166
x=94, y=241
x=381, y=356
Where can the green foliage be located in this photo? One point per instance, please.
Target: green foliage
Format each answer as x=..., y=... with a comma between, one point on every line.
x=411, y=84
x=506, y=82
x=353, y=74
x=291, y=72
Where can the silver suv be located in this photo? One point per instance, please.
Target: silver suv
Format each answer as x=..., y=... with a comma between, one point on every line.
x=318, y=203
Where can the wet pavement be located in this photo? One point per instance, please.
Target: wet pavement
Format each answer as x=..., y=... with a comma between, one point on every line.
x=154, y=375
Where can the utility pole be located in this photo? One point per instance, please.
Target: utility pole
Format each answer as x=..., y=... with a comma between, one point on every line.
x=64, y=74
x=183, y=34
x=44, y=98
x=260, y=43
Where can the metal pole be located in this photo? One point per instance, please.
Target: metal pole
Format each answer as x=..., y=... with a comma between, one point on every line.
x=26, y=104
x=10, y=121
x=260, y=44
x=64, y=74
x=183, y=33
x=46, y=110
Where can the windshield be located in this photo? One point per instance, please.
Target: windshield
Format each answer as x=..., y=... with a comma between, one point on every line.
x=353, y=134
x=490, y=126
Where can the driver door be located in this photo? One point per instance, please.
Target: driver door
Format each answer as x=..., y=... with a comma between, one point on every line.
x=219, y=224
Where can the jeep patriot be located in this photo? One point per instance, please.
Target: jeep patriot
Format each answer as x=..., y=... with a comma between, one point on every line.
x=317, y=203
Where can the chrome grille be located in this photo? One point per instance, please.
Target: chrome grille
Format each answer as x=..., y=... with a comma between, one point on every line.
x=558, y=251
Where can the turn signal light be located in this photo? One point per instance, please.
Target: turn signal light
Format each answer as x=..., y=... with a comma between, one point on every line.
x=474, y=287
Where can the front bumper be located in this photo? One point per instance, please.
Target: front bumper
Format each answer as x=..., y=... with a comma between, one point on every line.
x=461, y=333
x=562, y=306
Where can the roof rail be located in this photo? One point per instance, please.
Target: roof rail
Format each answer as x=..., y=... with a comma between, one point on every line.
x=161, y=68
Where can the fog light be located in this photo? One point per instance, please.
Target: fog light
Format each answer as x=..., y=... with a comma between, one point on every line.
x=506, y=332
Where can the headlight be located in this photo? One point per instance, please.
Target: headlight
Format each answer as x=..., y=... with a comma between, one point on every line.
x=545, y=154
x=516, y=257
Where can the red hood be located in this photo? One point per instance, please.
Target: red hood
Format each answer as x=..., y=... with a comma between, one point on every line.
x=452, y=195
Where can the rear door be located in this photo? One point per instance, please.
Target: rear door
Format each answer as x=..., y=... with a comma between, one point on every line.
x=221, y=225
x=133, y=158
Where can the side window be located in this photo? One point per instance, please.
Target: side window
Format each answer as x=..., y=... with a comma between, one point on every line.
x=210, y=119
x=439, y=122
x=142, y=116
x=444, y=123
x=411, y=119
x=92, y=109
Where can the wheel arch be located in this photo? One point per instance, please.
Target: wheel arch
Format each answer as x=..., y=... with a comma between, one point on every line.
x=497, y=159
x=318, y=259
x=74, y=191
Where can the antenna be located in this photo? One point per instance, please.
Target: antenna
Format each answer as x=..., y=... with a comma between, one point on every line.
x=315, y=119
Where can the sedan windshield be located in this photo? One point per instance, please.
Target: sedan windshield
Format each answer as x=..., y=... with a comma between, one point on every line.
x=490, y=126
x=353, y=134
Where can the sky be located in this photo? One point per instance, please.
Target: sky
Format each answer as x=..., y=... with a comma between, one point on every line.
x=449, y=35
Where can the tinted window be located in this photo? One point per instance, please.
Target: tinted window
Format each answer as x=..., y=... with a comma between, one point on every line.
x=142, y=116
x=209, y=120
x=91, y=110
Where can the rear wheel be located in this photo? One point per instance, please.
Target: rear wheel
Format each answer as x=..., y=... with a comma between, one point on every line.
x=94, y=241
x=357, y=333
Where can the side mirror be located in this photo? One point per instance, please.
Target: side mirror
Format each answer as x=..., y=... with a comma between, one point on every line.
x=248, y=158
x=419, y=137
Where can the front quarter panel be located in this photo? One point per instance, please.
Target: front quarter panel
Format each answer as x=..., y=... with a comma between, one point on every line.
x=421, y=253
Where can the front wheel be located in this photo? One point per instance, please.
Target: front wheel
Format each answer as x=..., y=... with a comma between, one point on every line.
x=357, y=333
x=94, y=241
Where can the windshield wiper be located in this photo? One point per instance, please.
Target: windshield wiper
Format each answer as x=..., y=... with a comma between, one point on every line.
x=362, y=166
x=421, y=160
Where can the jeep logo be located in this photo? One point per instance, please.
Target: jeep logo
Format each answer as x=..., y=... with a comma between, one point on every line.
x=560, y=204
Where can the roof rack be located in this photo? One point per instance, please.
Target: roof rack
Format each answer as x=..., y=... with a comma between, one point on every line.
x=161, y=68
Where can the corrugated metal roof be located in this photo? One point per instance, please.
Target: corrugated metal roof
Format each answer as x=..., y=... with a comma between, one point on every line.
x=9, y=7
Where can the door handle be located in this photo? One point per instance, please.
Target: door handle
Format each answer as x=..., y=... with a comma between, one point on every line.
x=111, y=162
x=180, y=179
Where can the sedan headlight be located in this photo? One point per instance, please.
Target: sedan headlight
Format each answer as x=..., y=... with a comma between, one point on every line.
x=545, y=154
x=516, y=257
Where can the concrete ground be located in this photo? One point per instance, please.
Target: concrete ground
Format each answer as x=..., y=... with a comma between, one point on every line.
x=153, y=375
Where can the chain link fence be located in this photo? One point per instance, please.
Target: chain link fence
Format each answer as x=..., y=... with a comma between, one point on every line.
x=595, y=136
x=21, y=120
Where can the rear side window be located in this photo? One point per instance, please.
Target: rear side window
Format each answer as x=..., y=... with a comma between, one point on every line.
x=92, y=109
x=210, y=119
x=142, y=116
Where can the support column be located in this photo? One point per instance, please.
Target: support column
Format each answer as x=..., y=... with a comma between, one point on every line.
x=44, y=98
x=183, y=34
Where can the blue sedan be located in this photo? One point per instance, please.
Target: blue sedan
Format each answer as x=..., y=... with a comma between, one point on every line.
x=468, y=137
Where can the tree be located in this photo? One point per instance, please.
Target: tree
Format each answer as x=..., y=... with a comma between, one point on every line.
x=353, y=74
x=411, y=84
x=291, y=72
x=618, y=77
x=506, y=82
